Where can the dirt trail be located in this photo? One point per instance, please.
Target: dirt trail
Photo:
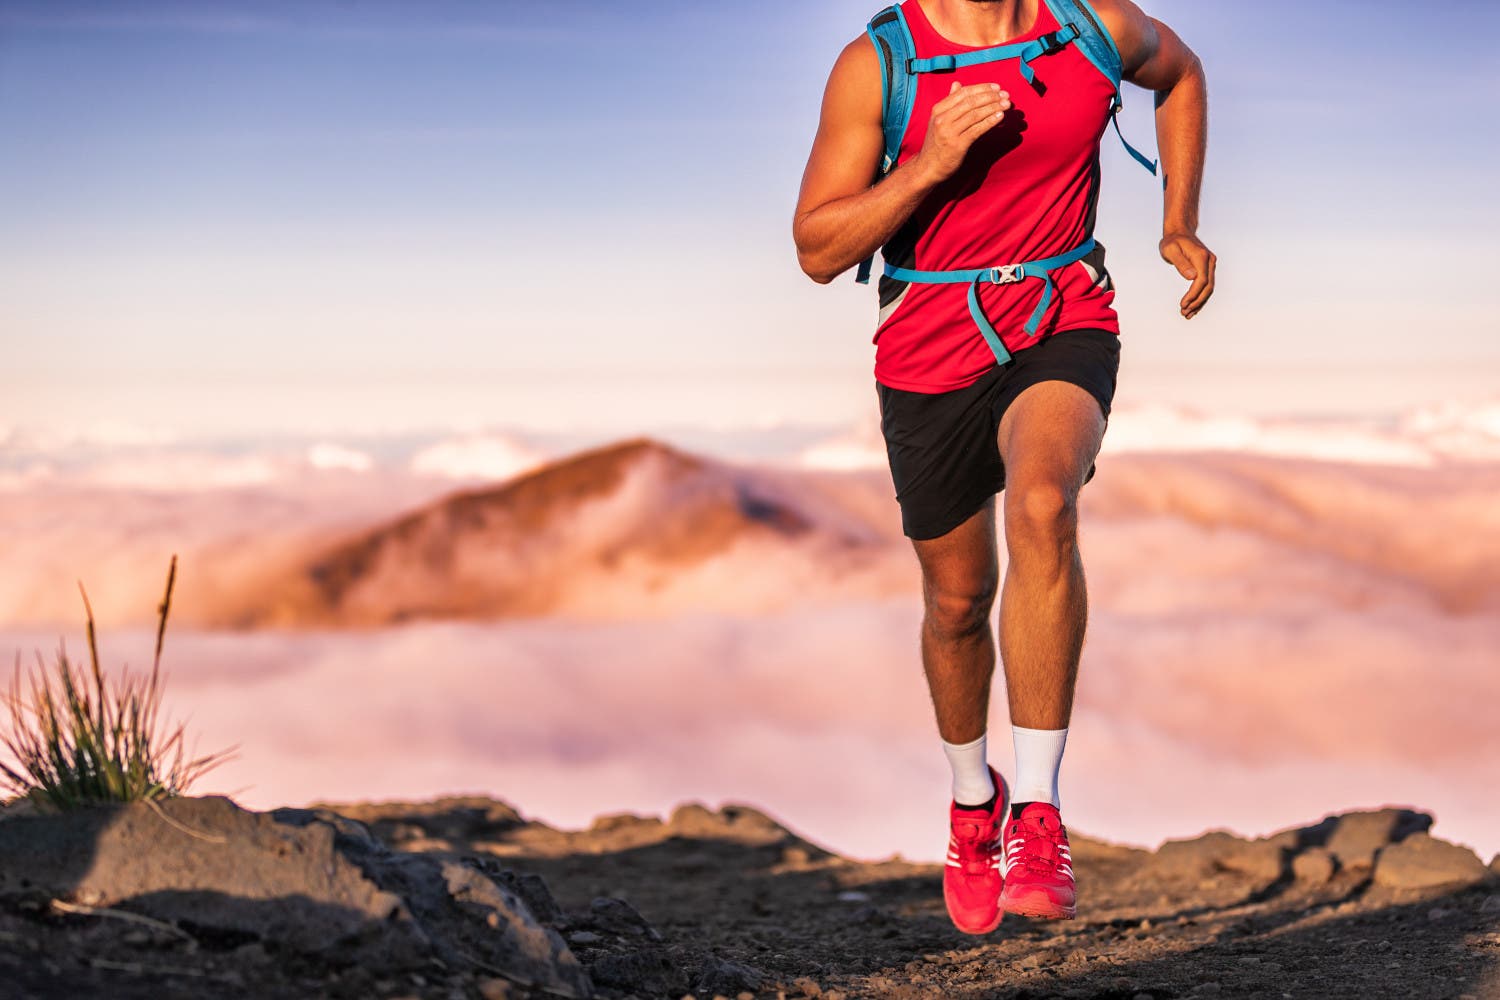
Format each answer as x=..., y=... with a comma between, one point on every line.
x=729, y=904
x=1216, y=916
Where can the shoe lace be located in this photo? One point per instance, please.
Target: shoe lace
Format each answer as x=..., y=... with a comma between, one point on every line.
x=1038, y=846
x=977, y=845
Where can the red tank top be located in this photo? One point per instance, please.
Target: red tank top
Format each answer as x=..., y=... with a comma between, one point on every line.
x=1028, y=190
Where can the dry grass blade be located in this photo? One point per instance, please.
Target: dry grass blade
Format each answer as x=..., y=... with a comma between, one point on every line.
x=212, y=838
x=84, y=736
x=140, y=969
x=162, y=611
x=93, y=650
x=78, y=909
x=550, y=989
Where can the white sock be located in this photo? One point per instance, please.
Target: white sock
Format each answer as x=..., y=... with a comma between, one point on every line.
x=971, y=772
x=1039, y=754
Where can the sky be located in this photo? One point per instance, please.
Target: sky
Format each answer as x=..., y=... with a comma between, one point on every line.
x=325, y=216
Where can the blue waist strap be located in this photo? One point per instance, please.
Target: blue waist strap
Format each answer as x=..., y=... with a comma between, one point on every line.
x=1008, y=274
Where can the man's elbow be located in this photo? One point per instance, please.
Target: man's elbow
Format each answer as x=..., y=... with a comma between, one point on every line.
x=815, y=269
x=1188, y=79
x=1174, y=64
x=813, y=264
x=1194, y=70
x=1189, y=66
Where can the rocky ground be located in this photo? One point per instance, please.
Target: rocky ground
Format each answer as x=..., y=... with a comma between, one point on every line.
x=464, y=898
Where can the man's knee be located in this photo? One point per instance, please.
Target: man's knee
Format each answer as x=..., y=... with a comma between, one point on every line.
x=1040, y=516
x=955, y=610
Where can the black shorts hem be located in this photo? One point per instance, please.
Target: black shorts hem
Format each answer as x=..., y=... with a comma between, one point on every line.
x=943, y=446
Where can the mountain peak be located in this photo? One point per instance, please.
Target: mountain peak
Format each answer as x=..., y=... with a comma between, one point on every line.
x=626, y=527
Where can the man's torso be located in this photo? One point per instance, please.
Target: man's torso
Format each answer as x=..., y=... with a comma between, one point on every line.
x=1028, y=190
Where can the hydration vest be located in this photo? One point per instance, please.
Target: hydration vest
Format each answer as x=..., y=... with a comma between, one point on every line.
x=1080, y=26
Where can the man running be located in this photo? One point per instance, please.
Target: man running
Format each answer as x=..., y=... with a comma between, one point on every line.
x=997, y=169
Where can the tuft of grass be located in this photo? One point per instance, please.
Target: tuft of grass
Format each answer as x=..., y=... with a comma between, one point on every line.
x=79, y=736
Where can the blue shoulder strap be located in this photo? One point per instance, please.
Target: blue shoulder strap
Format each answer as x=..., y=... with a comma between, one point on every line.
x=1093, y=38
x=1099, y=48
x=891, y=37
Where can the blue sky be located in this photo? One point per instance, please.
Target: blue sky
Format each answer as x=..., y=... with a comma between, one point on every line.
x=319, y=216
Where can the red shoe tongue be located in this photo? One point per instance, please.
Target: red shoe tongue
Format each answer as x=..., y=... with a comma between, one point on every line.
x=1039, y=816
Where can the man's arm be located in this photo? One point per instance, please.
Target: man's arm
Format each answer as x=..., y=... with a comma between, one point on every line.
x=841, y=218
x=1156, y=59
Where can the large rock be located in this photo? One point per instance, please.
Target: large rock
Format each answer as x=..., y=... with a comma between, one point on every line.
x=733, y=821
x=1354, y=838
x=531, y=888
x=454, y=819
x=1358, y=836
x=1314, y=866
x=1218, y=852
x=205, y=863
x=301, y=880
x=1424, y=862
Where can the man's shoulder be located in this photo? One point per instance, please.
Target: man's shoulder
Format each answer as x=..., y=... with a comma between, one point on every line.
x=1123, y=20
x=1110, y=13
x=858, y=65
x=861, y=50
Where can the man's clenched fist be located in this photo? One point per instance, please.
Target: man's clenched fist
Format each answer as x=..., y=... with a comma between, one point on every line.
x=957, y=121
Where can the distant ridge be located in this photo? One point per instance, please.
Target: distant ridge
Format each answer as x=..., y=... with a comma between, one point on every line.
x=596, y=530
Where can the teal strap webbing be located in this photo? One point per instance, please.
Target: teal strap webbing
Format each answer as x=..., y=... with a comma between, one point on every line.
x=1140, y=157
x=947, y=64
x=1023, y=52
x=1006, y=274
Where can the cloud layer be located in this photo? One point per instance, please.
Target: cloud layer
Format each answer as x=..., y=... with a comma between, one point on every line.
x=821, y=717
x=1270, y=639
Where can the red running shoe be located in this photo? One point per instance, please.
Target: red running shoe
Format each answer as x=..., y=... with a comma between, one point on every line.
x=974, y=873
x=1038, y=865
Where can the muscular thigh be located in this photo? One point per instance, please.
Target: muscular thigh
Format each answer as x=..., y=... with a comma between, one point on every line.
x=962, y=565
x=1050, y=435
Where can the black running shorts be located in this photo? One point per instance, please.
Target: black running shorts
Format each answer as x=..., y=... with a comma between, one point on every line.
x=944, y=456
